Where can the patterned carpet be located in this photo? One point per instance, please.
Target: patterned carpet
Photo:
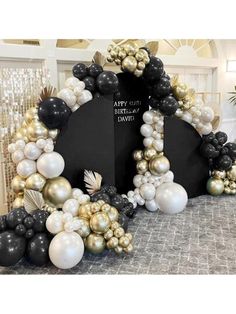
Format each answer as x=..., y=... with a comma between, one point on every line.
x=200, y=240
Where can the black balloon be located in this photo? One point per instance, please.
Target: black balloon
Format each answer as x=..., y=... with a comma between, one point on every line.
x=168, y=105
x=154, y=70
x=12, y=248
x=29, y=234
x=3, y=223
x=153, y=102
x=37, y=249
x=123, y=221
x=109, y=189
x=16, y=217
x=221, y=137
x=208, y=150
x=117, y=201
x=209, y=137
x=223, y=162
x=89, y=82
x=20, y=230
x=161, y=88
x=224, y=150
x=54, y=112
x=40, y=217
x=95, y=69
x=80, y=71
x=231, y=150
x=107, y=82
x=100, y=196
x=28, y=222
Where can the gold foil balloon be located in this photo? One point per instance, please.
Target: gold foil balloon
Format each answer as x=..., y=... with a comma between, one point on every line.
x=219, y=174
x=142, y=166
x=95, y=243
x=37, y=130
x=35, y=182
x=84, y=229
x=215, y=186
x=231, y=174
x=100, y=222
x=21, y=134
x=159, y=165
x=131, y=48
x=108, y=235
x=31, y=114
x=112, y=243
x=56, y=191
x=129, y=64
x=149, y=153
x=85, y=211
x=138, y=155
x=18, y=185
x=18, y=202
x=124, y=241
x=53, y=133
x=113, y=214
x=180, y=90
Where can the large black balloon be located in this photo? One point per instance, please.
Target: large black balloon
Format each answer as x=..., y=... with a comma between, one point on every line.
x=107, y=82
x=154, y=70
x=37, y=249
x=16, y=217
x=12, y=248
x=161, y=88
x=231, y=150
x=223, y=162
x=95, y=69
x=3, y=223
x=40, y=217
x=89, y=83
x=208, y=150
x=117, y=201
x=221, y=137
x=80, y=71
x=209, y=137
x=168, y=105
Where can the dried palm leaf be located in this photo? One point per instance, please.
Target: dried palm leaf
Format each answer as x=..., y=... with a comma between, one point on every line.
x=93, y=181
x=99, y=58
x=47, y=91
x=153, y=47
x=174, y=80
x=33, y=200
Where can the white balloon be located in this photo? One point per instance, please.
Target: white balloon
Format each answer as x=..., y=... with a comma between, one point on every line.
x=169, y=176
x=71, y=206
x=144, y=179
x=75, y=107
x=207, y=114
x=20, y=144
x=179, y=113
x=54, y=223
x=147, y=141
x=151, y=205
x=25, y=168
x=76, y=193
x=48, y=148
x=146, y=130
x=17, y=156
x=41, y=143
x=171, y=198
x=69, y=226
x=130, y=194
x=32, y=151
x=158, y=145
x=50, y=165
x=147, y=191
x=66, y=249
x=187, y=117
x=72, y=82
x=148, y=117
x=79, y=88
x=68, y=96
x=11, y=148
x=82, y=199
x=84, y=97
x=67, y=217
x=206, y=129
x=137, y=180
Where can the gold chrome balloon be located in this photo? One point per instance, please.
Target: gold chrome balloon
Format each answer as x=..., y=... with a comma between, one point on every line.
x=53, y=133
x=129, y=248
x=113, y=214
x=18, y=202
x=219, y=174
x=124, y=241
x=84, y=228
x=141, y=65
x=131, y=48
x=118, y=249
x=129, y=64
x=138, y=155
x=149, y=153
x=112, y=243
x=105, y=208
x=36, y=130
x=141, y=54
x=142, y=166
x=35, y=182
x=108, y=234
x=231, y=174
x=232, y=185
x=215, y=186
x=18, y=185
x=227, y=190
x=119, y=232
x=31, y=114
x=159, y=165
x=85, y=211
x=95, y=243
x=56, y=191
x=180, y=90
x=100, y=222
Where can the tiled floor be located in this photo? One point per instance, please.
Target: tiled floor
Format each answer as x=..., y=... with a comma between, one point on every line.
x=200, y=240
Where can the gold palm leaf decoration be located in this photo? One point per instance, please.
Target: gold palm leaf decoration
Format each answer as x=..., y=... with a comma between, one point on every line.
x=46, y=92
x=99, y=58
x=153, y=47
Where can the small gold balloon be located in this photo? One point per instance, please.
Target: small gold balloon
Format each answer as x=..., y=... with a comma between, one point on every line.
x=18, y=185
x=85, y=211
x=119, y=232
x=53, y=133
x=117, y=61
x=118, y=249
x=56, y=191
x=138, y=73
x=113, y=214
x=36, y=130
x=215, y=186
x=24, y=124
x=149, y=153
x=114, y=225
x=101, y=202
x=131, y=48
x=100, y=222
x=180, y=91
x=129, y=64
x=146, y=60
x=231, y=174
x=95, y=207
x=84, y=228
x=232, y=185
x=18, y=202
x=142, y=166
x=124, y=241
x=95, y=243
x=219, y=174
x=233, y=191
x=129, y=248
x=141, y=54
x=106, y=208
x=35, y=182
x=226, y=182
x=138, y=155
x=112, y=243
x=141, y=65
x=110, y=59
x=159, y=165
x=129, y=236
x=122, y=54
x=108, y=234
x=31, y=114
x=113, y=54
x=227, y=190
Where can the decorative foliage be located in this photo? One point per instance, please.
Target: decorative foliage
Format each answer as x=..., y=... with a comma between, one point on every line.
x=93, y=181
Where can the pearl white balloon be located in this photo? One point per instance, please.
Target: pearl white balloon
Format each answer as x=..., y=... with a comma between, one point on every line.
x=158, y=145
x=66, y=249
x=75, y=107
x=69, y=226
x=48, y=148
x=207, y=114
x=179, y=113
x=79, y=88
x=147, y=191
x=71, y=206
x=72, y=82
x=168, y=177
x=137, y=180
x=148, y=117
x=82, y=199
x=151, y=205
x=50, y=165
x=146, y=130
x=84, y=97
x=171, y=198
x=11, y=148
x=25, y=168
x=68, y=96
x=195, y=120
x=206, y=129
x=20, y=144
x=17, y=156
x=76, y=193
x=54, y=223
x=147, y=141
x=67, y=217
x=130, y=194
x=41, y=143
x=187, y=117
x=32, y=151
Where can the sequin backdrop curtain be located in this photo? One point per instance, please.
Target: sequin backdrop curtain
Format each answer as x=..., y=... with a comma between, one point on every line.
x=19, y=90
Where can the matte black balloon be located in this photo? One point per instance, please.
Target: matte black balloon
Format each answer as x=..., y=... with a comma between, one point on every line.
x=168, y=105
x=232, y=150
x=154, y=103
x=37, y=249
x=223, y=162
x=126, y=201
x=95, y=69
x=40, y=217
x=54, y=112
x=154, y=70
x=28, y=222
x=3, y=223
x=107, y=82
x=100, y=196
x=209, y=137
x=80, y=70
x=215, y=142
x=20, y=230
x=208, y=150
x=89, y=82
x=16, y=217
x=123, y=221
x=117, y=201
x=161, y=88
x=221, y=137
x=29, y=234
x=12, y=248
x=165, y=75
x=224, y=150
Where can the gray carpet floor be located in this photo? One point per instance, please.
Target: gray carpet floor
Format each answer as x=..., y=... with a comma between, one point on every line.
x=200, y=240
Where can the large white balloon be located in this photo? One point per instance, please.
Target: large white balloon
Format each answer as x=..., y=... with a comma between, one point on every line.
x=207, y=114
x=146, y=130
x=171, y=198
x=148, y=117
x=25, y=168
x=72, y=82
x=54, y=223
x=50, y=165
x=71, y=206
x=66, y=249
x=32, y=151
